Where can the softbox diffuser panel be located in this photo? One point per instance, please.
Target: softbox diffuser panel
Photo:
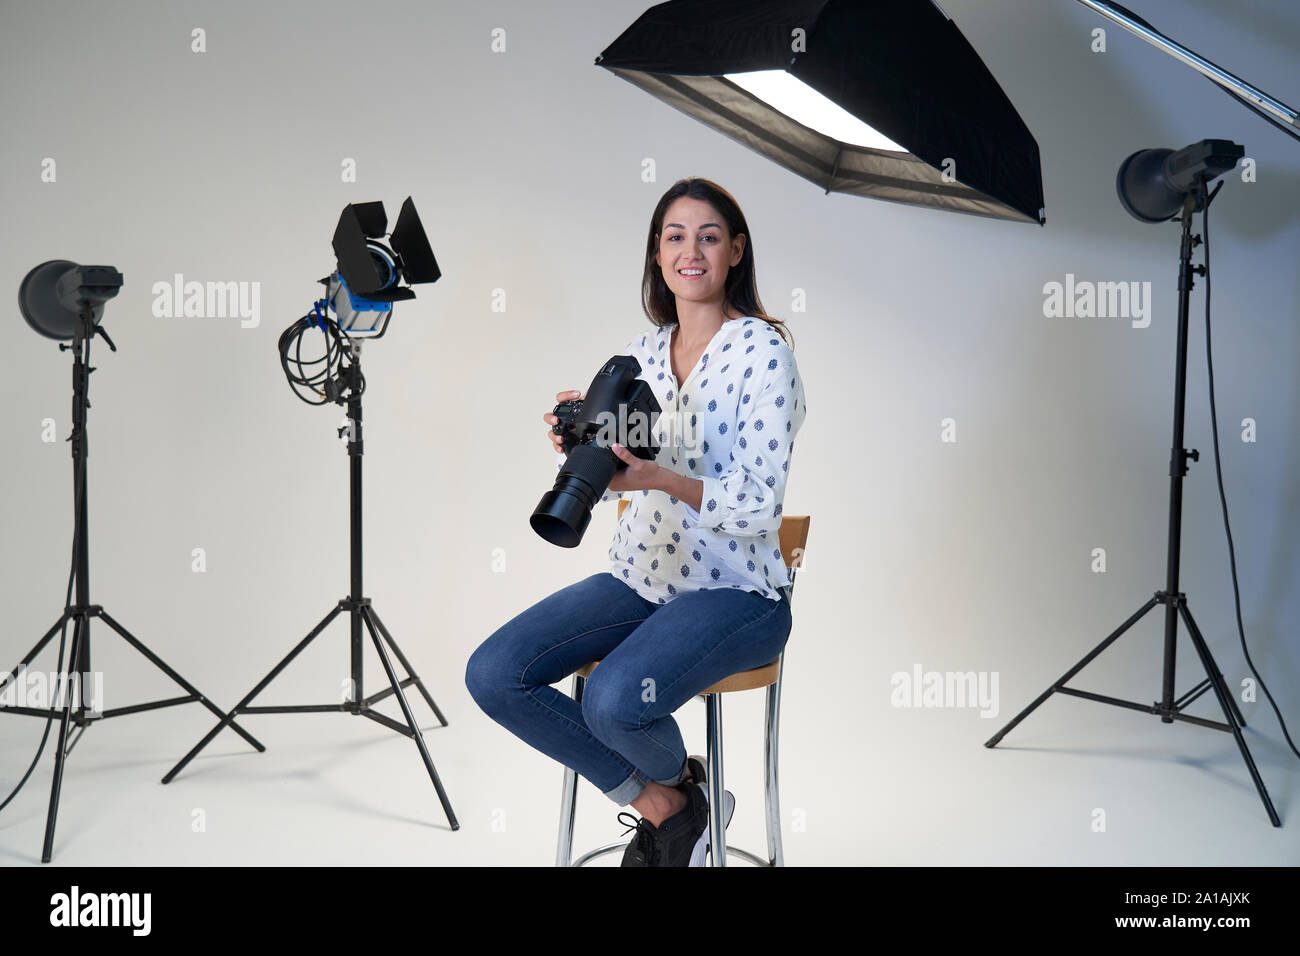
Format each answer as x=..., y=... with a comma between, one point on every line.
x=832, y=165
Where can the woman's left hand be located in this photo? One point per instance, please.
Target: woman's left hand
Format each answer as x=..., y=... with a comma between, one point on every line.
x=639, y=475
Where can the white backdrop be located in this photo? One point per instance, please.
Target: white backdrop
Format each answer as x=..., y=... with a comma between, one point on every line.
x=973, y=555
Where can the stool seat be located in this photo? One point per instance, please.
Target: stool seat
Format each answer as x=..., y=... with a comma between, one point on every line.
x=753, y=679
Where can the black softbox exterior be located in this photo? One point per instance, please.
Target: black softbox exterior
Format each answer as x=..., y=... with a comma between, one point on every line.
x=900, y=66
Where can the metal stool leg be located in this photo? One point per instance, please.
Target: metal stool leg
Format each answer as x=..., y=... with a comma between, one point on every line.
x=718, y=850
x=771, y=792
x=569, y=797
x=717, y=823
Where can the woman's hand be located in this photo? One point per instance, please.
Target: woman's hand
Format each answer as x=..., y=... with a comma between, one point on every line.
x=639, y=475
x=551, y=419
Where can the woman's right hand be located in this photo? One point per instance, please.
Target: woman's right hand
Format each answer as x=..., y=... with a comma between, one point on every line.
x=551, y=419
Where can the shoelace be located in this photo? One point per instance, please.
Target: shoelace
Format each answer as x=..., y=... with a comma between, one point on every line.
x=644, y=839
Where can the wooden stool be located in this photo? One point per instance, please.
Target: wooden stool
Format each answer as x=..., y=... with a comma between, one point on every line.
x=794, y=538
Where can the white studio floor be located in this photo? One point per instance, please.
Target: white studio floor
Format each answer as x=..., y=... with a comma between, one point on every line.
x=334, y=790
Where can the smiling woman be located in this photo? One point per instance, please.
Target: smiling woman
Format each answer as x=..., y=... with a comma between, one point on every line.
x=698, y=225
x=695, y=590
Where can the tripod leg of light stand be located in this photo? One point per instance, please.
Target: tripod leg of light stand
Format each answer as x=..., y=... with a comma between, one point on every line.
x=996, y=738
x=227, y=719
x=1232, y=698
x=162, y=665
x=79, y=627
x=1225, y=698
x=368, y=618
x=386, y=721
x=31, y=655
x=397, y=651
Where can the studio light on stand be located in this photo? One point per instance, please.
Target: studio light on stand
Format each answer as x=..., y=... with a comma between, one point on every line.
x=64, y=301
x=1155, y=185
x=372, y=275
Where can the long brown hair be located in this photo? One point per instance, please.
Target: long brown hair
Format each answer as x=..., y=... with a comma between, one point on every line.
x=740, y=293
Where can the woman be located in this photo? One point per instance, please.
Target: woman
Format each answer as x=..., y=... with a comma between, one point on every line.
x=693, y=593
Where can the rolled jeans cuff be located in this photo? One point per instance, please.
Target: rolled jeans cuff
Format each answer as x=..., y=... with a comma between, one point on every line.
x=628, y=790
x=681, y=775
x=631, y=788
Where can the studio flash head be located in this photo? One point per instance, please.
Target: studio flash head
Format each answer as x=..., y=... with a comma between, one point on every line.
x=58, y=294
x=1153, y=183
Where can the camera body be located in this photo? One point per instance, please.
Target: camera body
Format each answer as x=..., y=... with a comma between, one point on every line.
x=618, y=407
x=574, y=430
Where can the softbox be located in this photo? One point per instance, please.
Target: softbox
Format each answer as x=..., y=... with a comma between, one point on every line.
x=900, y=66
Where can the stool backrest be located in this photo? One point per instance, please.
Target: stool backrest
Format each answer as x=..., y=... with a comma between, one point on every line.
x=794, y=537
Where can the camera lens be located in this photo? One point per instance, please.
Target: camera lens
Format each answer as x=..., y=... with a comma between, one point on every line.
x=564, y=512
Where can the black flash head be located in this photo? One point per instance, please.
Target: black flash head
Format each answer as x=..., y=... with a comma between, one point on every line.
x=1152, y=183
x=54, y=295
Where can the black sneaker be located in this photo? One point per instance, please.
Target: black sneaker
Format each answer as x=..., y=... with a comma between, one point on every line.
x=637, y=849
x=672, y=843
x=640, y=850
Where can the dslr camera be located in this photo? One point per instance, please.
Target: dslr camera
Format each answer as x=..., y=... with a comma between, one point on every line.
x=619, y=407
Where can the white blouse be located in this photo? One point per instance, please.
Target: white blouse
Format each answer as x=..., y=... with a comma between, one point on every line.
x=732, y=425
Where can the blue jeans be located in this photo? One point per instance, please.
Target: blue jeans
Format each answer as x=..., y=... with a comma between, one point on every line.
x=654, y=658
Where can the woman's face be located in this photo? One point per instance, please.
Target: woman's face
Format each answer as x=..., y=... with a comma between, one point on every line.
x=694, y=240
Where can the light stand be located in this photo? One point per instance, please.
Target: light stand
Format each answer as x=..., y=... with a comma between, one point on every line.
x=361, y=614
x=80, y=611
x=1168, y=708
